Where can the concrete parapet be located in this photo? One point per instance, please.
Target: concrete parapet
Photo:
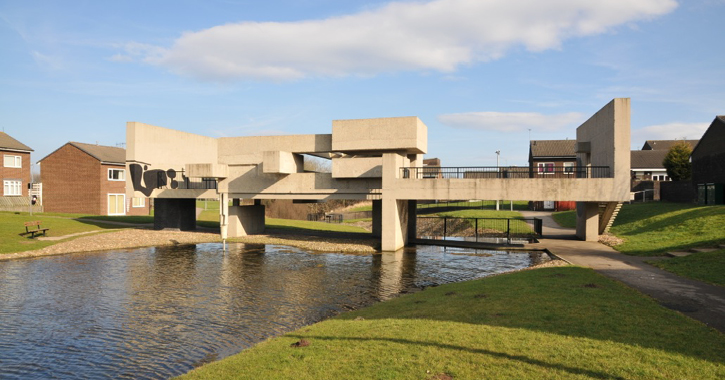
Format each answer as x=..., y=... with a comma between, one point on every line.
x=206, y=171
x=357, y=167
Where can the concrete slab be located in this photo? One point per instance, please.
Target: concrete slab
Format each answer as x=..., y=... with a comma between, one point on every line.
x=679, y=253
x=701, y=250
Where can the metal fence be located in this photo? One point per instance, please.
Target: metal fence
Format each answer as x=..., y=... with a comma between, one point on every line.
x=475, y=172
x=177, y=180
x=508, y=230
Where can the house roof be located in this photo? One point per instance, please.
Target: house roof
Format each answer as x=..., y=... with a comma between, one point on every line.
x=718, y=118
x=7, y=142
x=552, y=148
x=105, y=154
x=666, y=144
x=648, y=159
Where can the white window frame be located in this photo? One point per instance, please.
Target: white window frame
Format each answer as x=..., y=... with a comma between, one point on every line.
x=543, y=166
x=15, y=186
x=122, y=171
x=568, y=168
x=17, y=161
x=123, y=207
x=138, y=202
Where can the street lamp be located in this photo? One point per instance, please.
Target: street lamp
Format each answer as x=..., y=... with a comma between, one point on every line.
x=498, y=154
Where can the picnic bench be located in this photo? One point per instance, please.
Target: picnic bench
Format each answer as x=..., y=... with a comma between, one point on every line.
x=33, y=231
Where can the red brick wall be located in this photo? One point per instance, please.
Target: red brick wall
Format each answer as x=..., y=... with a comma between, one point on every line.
x=22, y=173
x=71, y=183
x=110, y=187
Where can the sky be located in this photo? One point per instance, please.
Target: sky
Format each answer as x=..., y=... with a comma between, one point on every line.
x=483, y=75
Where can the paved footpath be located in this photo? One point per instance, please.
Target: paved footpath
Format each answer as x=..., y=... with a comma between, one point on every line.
x=698, y=300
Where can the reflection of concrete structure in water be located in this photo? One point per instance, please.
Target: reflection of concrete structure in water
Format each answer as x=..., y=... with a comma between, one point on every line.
x=372, y=159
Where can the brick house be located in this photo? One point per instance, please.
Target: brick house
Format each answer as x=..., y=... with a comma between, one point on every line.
x=552, y=158
x=15, y=169
x=708, y=164
x=88, y=179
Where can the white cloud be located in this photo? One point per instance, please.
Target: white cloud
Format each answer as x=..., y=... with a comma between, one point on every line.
x=512, y=121
x=669, y=131
x=436, y=35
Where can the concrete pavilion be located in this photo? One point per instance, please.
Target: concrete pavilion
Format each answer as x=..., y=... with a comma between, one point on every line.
x=372, y=159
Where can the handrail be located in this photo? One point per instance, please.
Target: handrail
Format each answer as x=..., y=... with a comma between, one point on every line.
x=501, y=172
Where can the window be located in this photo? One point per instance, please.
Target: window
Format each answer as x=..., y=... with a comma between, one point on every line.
x=116, y=175
x=546, y=167
x=116, y=203
x=138, y=202
x=12, y=161
x=12, y=187
x=569, y=167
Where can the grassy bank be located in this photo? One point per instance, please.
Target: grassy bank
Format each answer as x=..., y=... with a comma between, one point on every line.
x=651, y=229
x=507, y=326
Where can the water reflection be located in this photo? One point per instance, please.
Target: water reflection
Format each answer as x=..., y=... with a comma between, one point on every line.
x=156, y=312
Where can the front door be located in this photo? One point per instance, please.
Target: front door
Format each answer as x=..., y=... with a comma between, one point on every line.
x=116, y=204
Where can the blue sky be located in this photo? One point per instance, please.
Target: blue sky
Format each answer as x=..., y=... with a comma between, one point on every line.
x=482, y=75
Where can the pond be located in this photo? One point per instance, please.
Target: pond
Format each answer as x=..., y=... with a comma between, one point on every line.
x=159, y=312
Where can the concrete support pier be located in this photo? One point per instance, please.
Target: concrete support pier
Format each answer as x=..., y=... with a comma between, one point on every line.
x=175, y=213
x=587, y=221
x=245, y=220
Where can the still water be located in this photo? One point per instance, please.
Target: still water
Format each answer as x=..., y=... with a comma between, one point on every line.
x=159, y=312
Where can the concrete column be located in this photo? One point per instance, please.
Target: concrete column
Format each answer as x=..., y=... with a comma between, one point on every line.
x=224, y=214
x=246, y=220
x=412, y=221
x=377, y=217
x=395, y=224
x=175, y=213
x=587, y=221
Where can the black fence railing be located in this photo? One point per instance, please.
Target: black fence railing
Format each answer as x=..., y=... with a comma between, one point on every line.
x=177, y=180
x=508, y=230
x=338, y=217
x=474, y=172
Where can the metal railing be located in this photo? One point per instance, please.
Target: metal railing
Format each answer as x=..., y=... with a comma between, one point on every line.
x=177, y=180
x=479, y=229
x=475, y=172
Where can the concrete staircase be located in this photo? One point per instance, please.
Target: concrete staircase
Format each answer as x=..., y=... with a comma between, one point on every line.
x=607, y=213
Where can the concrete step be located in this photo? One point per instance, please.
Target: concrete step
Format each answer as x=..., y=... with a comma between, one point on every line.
x=678, y=253
x=697, y=250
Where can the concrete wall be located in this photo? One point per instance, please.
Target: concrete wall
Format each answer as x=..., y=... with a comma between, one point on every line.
x=245, y=220
x=357, y=167
x=163, y=148
x=250, y=150
x=279, y=162
x=171, y=213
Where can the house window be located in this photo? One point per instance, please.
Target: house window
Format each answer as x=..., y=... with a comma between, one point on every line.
x=12, y=161
x=546, y=167
x=116, y=203
x=116, y=175
x=138, y=202
x=12, y=187
x=569, y=167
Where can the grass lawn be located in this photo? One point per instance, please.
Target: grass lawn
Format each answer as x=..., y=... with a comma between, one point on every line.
x=552, y=323
x=486, y=205
x=307, y=225
x=566, y=219
x=11, y=225
x=703, y=266
x=481, y=214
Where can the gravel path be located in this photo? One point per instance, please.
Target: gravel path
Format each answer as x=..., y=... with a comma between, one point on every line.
x=134, y=238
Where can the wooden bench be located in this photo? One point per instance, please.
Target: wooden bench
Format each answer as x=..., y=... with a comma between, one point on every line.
x=33, y=231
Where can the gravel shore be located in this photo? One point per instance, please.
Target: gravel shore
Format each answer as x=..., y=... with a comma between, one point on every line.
x=135, y=238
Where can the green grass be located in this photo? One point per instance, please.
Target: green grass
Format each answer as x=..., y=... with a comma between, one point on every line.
x=307, y=225
x=566, y=219
x=703, y=266
x=486, y=205
x=481, y=214
x=554, y=323
x=11, y=225
x=653, y=228
x=137, y=219
x=361, y=208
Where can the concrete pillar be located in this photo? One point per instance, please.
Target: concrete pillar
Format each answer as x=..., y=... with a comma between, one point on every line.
x=412, y=221
x=245, y=220
x=377, y=217
x=395, y=224
x=224, y=214
x=175, y=213
x=587, y=221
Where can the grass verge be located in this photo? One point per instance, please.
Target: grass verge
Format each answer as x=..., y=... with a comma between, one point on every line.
x=703, y=266
x=500, y=327
x=566, y=219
